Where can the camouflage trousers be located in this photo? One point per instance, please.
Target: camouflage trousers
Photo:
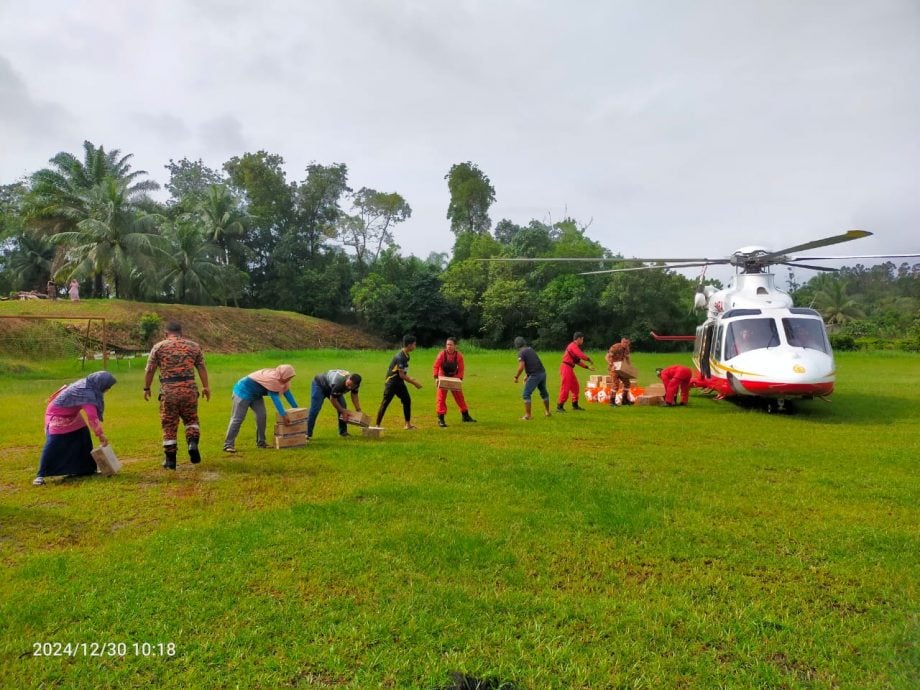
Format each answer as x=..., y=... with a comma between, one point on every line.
x=179, y=401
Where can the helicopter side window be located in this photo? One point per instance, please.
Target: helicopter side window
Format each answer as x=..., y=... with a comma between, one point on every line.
x=750, y=334
x=807, y=333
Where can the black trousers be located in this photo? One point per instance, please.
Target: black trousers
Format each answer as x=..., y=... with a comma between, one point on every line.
x=395, y=388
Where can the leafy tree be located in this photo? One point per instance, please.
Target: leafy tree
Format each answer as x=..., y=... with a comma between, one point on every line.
x=318, y=209
x=836, y=305
x=471, y=196
x=190, y=181
x=369, y=229
x=508, y=310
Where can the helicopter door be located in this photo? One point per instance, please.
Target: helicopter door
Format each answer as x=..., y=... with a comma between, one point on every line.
x=706, y=349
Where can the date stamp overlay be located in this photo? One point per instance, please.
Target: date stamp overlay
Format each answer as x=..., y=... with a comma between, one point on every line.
x=103, y=649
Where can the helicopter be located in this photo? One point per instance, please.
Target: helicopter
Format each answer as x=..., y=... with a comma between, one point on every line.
x=754, y=343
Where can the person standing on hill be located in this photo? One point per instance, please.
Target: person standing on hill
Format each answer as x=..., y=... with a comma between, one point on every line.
x=395, y=384
x=674, y=377
x=333, y=385
x=572, y=357
x=534, y=376
x=177, y=359
x=449, y=362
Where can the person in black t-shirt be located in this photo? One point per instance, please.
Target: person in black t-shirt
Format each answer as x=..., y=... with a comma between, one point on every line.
x=395, y=384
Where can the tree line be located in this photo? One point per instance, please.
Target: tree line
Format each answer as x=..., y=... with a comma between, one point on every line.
x=245, y=235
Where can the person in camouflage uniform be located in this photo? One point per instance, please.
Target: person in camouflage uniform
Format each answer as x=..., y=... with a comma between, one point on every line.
x=177, y=359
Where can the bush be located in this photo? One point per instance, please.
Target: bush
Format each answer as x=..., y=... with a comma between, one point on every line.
x=149, y=326
x=842, y=341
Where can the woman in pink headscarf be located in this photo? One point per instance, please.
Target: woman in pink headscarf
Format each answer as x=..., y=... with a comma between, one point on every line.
x=249, y=391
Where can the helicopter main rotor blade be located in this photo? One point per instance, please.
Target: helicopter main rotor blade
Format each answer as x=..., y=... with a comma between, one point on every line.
x=813, y=268
x=836, y=239
x=854, y=256
x=592, y=258
x=651, y=268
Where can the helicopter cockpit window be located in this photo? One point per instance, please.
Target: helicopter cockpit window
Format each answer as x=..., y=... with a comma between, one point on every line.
x=807, y=333
x=750, y=334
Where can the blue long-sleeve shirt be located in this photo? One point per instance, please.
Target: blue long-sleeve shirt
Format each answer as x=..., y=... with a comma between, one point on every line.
x=249, y=389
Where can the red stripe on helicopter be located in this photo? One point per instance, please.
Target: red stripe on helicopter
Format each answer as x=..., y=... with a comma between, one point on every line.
x=767, y=389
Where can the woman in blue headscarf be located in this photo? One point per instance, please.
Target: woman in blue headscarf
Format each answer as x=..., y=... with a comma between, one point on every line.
x=68, y=445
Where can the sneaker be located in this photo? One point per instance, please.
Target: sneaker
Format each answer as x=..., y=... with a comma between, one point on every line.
x=38, y=481
x=229, y=449
x=442, y=423
x=467, y=418
x=258, y=445
x=560, y=408
x=575, y=406
x=344, y=434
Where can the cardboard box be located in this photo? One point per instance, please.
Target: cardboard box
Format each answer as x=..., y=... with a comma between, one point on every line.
x=106, y=460
x=372, y=431
x=650, y=400
x=628, y=370
x=450, y=383
x=282, y=429
x=292, y=441
x=357, y=418
x=295, y=414
x=654, y=389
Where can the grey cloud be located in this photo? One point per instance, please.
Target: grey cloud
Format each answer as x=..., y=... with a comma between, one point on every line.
x=23, y=116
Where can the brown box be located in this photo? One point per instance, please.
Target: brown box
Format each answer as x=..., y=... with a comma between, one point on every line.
x=372, y=431
x=654, y=389
x=295, y=414
x=106, y=460
x=358, y=418
x=292, y=441
x=628, y=370
x=650, y=400
x=282, y=429
x=450, y=383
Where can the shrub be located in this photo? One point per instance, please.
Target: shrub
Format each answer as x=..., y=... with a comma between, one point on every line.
x=842, y=341
x=149, y=326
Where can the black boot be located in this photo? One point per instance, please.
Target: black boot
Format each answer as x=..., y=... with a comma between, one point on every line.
x=170, y=458
x=576, y=406
x=560, y=408
x=193, y=453
x=441, y=421
x=467, y=418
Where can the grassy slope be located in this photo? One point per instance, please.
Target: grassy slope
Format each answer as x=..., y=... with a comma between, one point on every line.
x=218, y=329
x=701, y=546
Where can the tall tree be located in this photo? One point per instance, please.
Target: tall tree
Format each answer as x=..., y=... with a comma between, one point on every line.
x=187, y=268
x=189, y=182
x=471, y=196
x=223, y=222
x=370, y=228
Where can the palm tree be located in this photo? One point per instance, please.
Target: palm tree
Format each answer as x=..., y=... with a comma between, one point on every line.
x=76, y=201
x=110, y=239
x=31, y=261
x=220, y=218
x=835, y=305
x=188, y=267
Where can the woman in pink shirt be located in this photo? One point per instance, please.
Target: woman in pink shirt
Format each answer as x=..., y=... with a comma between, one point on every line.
x=68, y=444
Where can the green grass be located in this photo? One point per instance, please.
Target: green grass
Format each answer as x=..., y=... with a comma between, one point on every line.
x=694, y=547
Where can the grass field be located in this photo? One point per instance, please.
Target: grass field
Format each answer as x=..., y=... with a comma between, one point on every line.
x=691, y=547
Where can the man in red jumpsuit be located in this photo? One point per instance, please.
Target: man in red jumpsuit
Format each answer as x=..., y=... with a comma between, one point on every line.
x=449, y=362
x=572, y=357
x=674, y=377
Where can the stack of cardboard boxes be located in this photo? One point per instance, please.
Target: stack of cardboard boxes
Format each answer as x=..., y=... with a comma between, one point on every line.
x=294, y=434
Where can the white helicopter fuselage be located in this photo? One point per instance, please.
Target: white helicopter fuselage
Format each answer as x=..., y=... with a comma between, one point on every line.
x=754, y=342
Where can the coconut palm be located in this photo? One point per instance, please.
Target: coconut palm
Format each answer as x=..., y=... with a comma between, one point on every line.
x=187, y=266
x=73, y=199
x=220, y=218
x=836, y=306
x=30, y=261
x=110, y=239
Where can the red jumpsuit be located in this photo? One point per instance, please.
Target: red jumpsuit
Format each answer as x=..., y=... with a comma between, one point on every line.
x=572, y=357
x=447, y=365
x=674, y=377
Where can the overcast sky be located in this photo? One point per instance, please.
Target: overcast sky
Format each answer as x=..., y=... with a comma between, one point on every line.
x=685, y=127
